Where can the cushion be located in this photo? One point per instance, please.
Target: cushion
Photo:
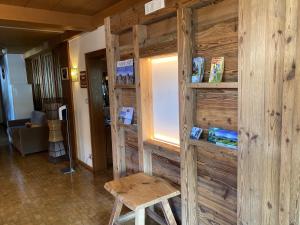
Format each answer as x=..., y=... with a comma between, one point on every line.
x=38, y=118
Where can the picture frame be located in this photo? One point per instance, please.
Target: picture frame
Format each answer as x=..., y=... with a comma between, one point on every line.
x=3, y=73
x=65, y=73
x=83, y=79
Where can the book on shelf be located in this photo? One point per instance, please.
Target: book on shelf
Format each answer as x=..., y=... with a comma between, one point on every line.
x=198, y=69
x=196, y=133
x=125, y=72
x=126, y=115
x=217, y=69
x=222, y=137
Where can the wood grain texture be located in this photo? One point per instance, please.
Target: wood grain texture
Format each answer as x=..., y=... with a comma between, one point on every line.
x=140, y=190
x=210, y=14
x=186, y=103
x=289, y=170
x=168, y=213
x=163, y=44
x=139, y=36
x=217, y=108
x=136, y=14
x=261, y=55
x=95, y=68
x=127, y=98
x=116, y=212
x=216, y=34
x=117, y=133
x=221, y=85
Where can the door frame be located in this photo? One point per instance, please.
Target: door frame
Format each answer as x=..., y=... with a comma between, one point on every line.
x=90, y=55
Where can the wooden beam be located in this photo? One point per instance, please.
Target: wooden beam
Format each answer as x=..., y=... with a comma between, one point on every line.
x=261, y=60
x=68, y=21
x=98, y=19
x=117, y=133
x=51, y=43
x=186, y=103
x=140, y=216
x=168, y=212
x=155, y=216
x=145, y=158
x=116, y=212
x=126, y=217
x=290, y=154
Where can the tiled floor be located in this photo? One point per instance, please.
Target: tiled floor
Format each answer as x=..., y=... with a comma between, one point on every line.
x=34, y=192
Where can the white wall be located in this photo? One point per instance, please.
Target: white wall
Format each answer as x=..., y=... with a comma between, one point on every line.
x=85, y=43
x=17, y=94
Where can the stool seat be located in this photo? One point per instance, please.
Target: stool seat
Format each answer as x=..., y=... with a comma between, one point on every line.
x=139, y=191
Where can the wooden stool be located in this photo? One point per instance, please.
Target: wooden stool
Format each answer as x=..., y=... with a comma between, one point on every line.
x=138, y=192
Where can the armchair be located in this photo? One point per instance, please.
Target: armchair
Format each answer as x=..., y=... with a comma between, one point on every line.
x=29, y=139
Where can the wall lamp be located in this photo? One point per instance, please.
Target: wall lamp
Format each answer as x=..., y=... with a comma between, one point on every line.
x=74, y=74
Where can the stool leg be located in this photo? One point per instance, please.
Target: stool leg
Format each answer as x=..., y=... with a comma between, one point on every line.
x=140, y=216
x=168, y=213
x=115, y=212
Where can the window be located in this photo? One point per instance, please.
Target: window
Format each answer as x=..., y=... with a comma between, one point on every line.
x=165, y=98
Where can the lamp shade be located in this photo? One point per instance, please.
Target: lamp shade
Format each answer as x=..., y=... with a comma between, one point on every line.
x=74, y=74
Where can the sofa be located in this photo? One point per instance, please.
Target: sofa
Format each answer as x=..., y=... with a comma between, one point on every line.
x=29, y=135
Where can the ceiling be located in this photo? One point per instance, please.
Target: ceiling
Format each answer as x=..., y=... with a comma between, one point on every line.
x=85, y=7
x=20, y=40
x=25, y=24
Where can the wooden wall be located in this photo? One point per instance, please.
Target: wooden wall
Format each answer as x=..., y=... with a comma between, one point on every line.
x=269, y=112
x=259, y=184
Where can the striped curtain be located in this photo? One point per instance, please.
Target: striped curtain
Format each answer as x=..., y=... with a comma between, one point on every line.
x=47, y=83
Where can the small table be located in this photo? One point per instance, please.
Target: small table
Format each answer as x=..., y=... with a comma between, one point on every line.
x=138, y=192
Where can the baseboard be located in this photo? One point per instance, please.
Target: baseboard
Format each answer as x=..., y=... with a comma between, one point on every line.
x=84, y=165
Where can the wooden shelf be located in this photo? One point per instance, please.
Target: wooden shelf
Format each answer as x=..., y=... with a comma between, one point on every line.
x=213, y=147
x=163, y=149
x=125, y=86
x=206, y=85
x=130, y=127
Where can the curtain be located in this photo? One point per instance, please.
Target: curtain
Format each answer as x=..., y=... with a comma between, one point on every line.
x=47, y=83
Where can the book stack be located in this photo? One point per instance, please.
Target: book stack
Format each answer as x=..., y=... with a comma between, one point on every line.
x=224, y=138
x=125, y=72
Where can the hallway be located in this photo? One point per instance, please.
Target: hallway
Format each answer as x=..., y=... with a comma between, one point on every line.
x=34, y=192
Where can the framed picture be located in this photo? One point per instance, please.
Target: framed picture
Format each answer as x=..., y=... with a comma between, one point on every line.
x=3, y=73
x=83, y=79
x=65, y=73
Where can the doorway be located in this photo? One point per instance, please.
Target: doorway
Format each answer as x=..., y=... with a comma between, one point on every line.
x=97, y=81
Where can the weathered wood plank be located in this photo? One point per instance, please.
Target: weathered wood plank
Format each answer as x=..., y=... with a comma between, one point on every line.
x=260, y=72
x=218, y=108
x=168, y=213
x=115, y=212
x=216, y=13
x=290, y=157
x=220, y=39
x=164, y=150
x=145, y=159
x=186, y=104
x=221, y=85
x=117, y=133
x=160, y=45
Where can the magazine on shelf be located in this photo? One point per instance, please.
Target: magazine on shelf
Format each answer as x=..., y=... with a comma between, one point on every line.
x=125, y=72
x=196, y=133
x=222, y=137
x=217, y=69
x=126, y=115
x=198, y=69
